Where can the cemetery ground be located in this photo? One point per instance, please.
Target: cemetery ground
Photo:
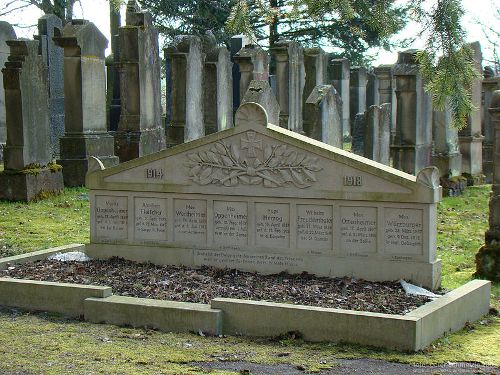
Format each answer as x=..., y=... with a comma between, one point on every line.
x=46, y=343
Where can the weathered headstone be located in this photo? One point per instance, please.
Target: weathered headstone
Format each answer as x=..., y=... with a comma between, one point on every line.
x=253, y=65
x=237, y=43
x=217, y=86
x=489, y=84
x=445, y=149
x=84, y=101
x=412, y=143
x=260, y=92
x=113, y=108
x=357, y=91
x=29, y=171
x=140, y=130
x=266, y=199
x=6, y=33
x=290, y=80
x=372, y=89
x=324, y=110
x=315, y=64
x=53, y=57
x=358, y=134
x=488, y=257
x=186, y=119
x=470, y=138
x=339, y=75
x=387, y=92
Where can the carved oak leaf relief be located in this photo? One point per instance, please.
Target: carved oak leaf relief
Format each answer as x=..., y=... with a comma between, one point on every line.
x=252, y=163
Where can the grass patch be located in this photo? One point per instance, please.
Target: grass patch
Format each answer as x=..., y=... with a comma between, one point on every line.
x=43, y=343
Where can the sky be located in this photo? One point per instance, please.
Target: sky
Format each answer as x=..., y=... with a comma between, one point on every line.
x=97, y=11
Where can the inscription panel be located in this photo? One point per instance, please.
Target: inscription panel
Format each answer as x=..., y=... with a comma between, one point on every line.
x=314, y=227
x=272, y=224
x=231, y=223
x=358, y=231
x=247, y=260
x=403, y=232
x=150, y=222
x=111, y=217
x=190, y=220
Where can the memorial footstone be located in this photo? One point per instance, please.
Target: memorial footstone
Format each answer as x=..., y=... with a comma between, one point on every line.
x=29, y=171
x=140, y=131
x=290, y=79
x=470, y=138
x=85, y=101
x=490, y=84
x=324, y=108
x=53, y=57
x=258, y=197
x=488, y=257
x=339, y=75
x=412, y=144
x=6, y=33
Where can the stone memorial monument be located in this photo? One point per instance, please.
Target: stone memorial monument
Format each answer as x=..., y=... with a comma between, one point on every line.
x=324, y=110
x=387, y=92
x=29, y=172
x=140, y=130
x=85, y=101
x=315, y=65
x=113, y=107
x=357, y=91
x=339, y=71
x=490, y=84
x=237, y=43
x=258, y=197
x=445, y=148
x=6, y=33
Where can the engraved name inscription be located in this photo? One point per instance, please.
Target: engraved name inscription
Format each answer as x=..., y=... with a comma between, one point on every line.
x=272, y=225
x=403, y=231
x=314, y=227
x=111, y=217
x=230, y=223
x=190, y=220
x=150, y=219
x=358, y=231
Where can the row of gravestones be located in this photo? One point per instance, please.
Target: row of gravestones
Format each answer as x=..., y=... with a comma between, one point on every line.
x=206, y=83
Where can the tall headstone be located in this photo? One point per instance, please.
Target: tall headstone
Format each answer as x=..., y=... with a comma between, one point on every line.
x=324, y=108
x=488, y=257
x=490, y=84
x=358, y=134
x=445, y=149
x=470, y=138
x=53, y=57
x=357, y=91
x=237, y=43
x=29, y=171
x=140, y=130
x=315, y=64
x=412, y=144
x=372, y=89
x=378, y=133
x=113, y=108
x=387, y=92
x=6, y=33
x=253, y=65
x=290, y=81
x=217, y=89
x=260, y=92
x=85, y=101
x=339, y=71
x=186, y=119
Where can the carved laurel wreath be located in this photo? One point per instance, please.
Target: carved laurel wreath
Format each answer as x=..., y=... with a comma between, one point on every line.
x=229, y=165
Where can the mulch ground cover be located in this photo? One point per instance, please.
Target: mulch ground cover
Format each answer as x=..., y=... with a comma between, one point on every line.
x=177, y=283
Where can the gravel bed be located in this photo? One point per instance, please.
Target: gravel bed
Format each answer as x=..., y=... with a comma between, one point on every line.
x=177, y=283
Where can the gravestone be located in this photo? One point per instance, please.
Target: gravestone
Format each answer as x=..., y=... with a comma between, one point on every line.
x=187, y=59
x=217, y=86
x=29, y=172
x=339, y=75
x=237, y=43
x=258, y=197
x=490, y=84
x=387, y=92
x=140, y=131
x=358, y=134
x=290, y=79
x=113, y=108
x=488, y=257
x=53, y=58
x=445, y=149
x=412, y=144
x=84, y=101
x=324, y=110
x=315, y=65
x=372, y=89
x=260, y=92
x=357, y=91
x=470, y=138
x=6, y=33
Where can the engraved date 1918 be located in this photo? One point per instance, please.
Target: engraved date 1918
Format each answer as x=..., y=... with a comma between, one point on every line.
x=353, y=181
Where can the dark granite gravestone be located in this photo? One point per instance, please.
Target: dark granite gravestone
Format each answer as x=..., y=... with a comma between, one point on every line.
x=53, y=56
x=6, y=33
x=85, y=101
x=28, y=169
x=140, y=131
x=237, y=43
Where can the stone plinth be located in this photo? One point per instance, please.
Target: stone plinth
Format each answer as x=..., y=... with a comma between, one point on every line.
x=85, y=101
x=140, y=130
x=6, y=33
x=412, y=144
x=488, y=257
x=27, y=154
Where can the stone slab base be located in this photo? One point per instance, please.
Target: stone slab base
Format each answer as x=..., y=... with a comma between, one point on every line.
x=75, y=170
x=28, y=187
x=132, y=145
